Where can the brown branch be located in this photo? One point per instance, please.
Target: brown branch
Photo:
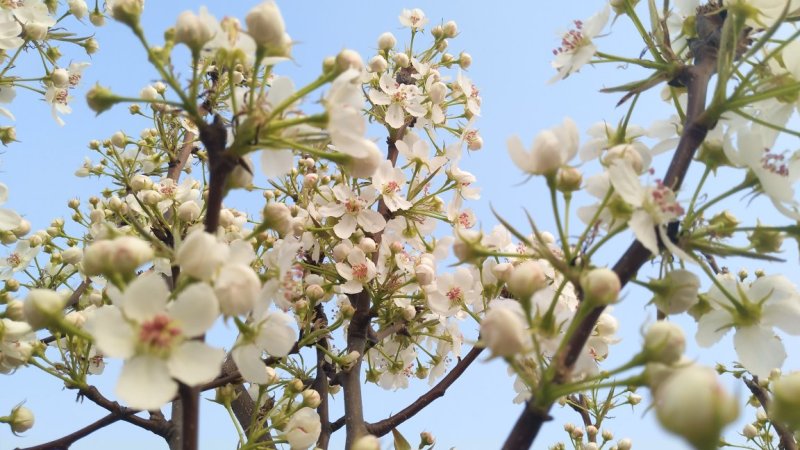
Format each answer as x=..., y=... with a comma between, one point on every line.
x=786, y=436
x=214, y=137
x=65, y=442
x=384, y=426
x=156, y=425
x=696, y=77
x=580, y=405
x=71, y=301
x=176, y=165
x=321, y=383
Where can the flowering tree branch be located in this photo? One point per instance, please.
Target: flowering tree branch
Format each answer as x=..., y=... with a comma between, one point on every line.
x=384, y=426
x=786, y=436
x=696, y=78
x=65, y=442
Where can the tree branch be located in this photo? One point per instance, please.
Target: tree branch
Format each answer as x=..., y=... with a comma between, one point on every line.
x=156, y=425
x=696, y=78
x=65, y=442
x=176, y=165
x=386, y=425
x=786, y=436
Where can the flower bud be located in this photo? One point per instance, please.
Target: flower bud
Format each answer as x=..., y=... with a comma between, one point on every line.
x=386, y=41
x=750, y=431
x=785, y=405
x=60, y=78
x=311, y=398
x=600, y=286
x=265, y=25
x=425, y=274
x=368, y=245
x=97, y=18
x=192, y=31
x=21, y=419
x=724, y=224
x=100, y=99
x=22, y=229
x=15, y=310
x=78, y=8
x=367, y=442
x=189, y=211
x=450, y=29
x=401, y=59
x=426, y=438
x=72, y=255
x=676, y=292
x=237, y=288
x=200, y=255
x=526, y=278
x=503, y=329
x=42, y=308
x=349, y=360
x=626, y=153
x=764, y=240
x=607, y=435
x=692, y=403
x=624, y=444
x=568, y=179
x=349, y=59
x=127, y=11
x=378, y=64
x=464, y=60
x=664, y=342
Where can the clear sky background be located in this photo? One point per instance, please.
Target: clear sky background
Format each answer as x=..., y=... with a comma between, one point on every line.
x=511, y=44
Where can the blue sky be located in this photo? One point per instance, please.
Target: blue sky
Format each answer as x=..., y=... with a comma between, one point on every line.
x=511, y=44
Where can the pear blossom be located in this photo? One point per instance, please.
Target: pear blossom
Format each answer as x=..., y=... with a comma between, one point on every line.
x=417, y=150
x=413, y=18
x=10, y=31
x=551, y=149
x=470, y=93
x=18, y=259
x=357, y=271
x=769, y=301
x=153, y=336
x=400, y=98
x=227, y=35
x=9, y=219
x=776, y=172
x=17, y=341
x=200, y=255
x=389, y=180
x=35, y=18
x=274, y=334
x=577, y=47
x=654, y=208
x=59, y=102
x=504, y=329
x=451, y=292
x=353, y=210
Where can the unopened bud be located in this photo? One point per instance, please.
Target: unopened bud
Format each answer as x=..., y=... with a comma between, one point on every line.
x=600, y=286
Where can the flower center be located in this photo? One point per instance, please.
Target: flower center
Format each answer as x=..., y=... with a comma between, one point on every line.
x=354, y=205
x=61, y=96
x=360, y=272
x=774, y=163
x=572, y=39
x=159, y=333
x=391, y=187
x=14, y=259
x=455, y=295
x=663, y=198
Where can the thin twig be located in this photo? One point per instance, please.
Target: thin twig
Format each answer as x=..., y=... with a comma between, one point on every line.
x=154, y=424
x=65, y=442
x=176, y=165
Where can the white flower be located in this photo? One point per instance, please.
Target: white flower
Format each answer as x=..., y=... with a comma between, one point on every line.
x=18, y=259
x=303, y=429
x=551, y=149
x=577, y=47
x=353, y=210
x=154, y=338
x=413, y=18
x=389, y=181
x=35, y=18
x=17, y=341
x=273, y=334
x=358, y=271
x=451, y=292
x=470, y=92
x=504, y=329
x=400, y=98
x=201, y=254
x=654, y=207
x=770, y=301
x=9, y=220
x=265, y=25
x=59, y=102
x=10, y=30
x=192, y=31
x=776, y=172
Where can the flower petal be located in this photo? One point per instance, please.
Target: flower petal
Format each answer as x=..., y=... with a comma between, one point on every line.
x=759, y=350
x=145, y=297
x=112, y=334
x=195, y=309
x=194, y=362
x=712, y=326
x=248, y=360
x=643, y=227
x=276, y=335
x=145, y=383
